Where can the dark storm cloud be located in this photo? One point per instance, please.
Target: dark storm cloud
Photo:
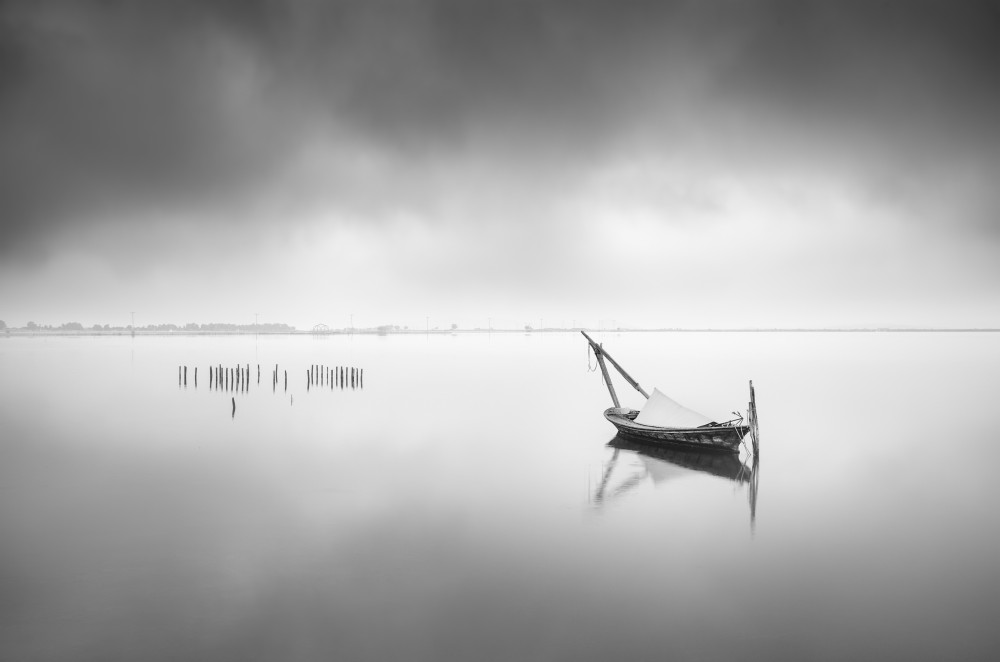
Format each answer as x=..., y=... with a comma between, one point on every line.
x=107, y=108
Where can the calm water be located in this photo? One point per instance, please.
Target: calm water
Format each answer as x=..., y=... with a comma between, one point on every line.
x=465, y=505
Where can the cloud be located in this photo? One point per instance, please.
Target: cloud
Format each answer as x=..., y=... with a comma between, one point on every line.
x=111, y=107
x=532, y=133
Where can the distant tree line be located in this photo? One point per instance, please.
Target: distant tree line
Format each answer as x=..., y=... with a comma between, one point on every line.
x=221, y=327
x=190, y=327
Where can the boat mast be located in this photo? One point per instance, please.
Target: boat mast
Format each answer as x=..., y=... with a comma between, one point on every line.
x=599, y=351
x=607, y=378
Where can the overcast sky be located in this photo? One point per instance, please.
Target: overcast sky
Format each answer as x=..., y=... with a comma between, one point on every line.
x=654, y=163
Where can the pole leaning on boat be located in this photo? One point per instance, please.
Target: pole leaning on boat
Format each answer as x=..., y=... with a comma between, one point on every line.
x=601, y=354
x=607, y=378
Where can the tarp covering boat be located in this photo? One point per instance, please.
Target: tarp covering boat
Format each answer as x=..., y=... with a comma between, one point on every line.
x=664, y=412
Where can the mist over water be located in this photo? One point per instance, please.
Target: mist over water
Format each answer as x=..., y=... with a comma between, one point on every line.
x=465, y=503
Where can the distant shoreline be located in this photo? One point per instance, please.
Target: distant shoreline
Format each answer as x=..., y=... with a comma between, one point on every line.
x=21, y=333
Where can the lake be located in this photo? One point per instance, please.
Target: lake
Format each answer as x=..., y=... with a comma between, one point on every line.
x=465, y=504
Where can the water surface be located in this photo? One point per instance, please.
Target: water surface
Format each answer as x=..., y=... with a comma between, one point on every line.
x=465, y=504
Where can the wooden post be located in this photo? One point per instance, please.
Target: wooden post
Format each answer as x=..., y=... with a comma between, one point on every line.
x=178, y=375
x=607, y=378
x=234, y=407
x=362, y=378
x=185, y=375
x=286, y=380
x=196, y=376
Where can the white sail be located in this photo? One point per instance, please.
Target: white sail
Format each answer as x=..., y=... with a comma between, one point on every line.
x=663, y=412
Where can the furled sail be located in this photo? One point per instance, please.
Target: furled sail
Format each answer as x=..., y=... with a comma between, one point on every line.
x=661, y=411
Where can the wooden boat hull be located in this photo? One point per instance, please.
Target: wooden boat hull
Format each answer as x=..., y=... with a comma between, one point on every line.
x=718, y=438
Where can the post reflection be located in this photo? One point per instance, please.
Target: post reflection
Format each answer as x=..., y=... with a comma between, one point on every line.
x=660, y=464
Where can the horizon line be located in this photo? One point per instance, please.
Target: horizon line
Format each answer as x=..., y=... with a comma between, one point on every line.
x=248, y=329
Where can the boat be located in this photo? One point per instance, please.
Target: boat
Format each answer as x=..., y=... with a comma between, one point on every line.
x=725, y=437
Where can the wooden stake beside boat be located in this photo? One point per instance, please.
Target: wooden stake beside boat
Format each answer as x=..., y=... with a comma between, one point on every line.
x=752, y=416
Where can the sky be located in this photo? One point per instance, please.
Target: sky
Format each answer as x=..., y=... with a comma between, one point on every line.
x=645, y=164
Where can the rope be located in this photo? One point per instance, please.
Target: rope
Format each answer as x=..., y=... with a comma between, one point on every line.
x=589, y=367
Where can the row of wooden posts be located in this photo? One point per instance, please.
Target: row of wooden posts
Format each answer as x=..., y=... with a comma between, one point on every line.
x=238, y=378
x=220, y=377
x=342, y=376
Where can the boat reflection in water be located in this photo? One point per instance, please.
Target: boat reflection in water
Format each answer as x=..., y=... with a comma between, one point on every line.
x=661, y=463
